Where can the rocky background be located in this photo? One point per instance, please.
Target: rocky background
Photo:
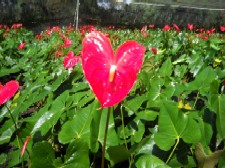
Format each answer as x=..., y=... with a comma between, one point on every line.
x=37, y=14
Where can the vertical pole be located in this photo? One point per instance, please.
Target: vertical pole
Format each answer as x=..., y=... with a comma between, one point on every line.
x=76, y=15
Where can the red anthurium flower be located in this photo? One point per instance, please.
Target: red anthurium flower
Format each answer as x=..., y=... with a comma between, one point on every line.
x=21, y=46
x=154, y=50
x=48, y=32
x=15, y=26
x=166, y=28
x=58, y=53
x=190, y=26
x=177, y=28
x=70, y=60
x=8, y=91
x=25, y=145
x=222, y=28
x=110, y=75
x=151, y=26
x=67, y=42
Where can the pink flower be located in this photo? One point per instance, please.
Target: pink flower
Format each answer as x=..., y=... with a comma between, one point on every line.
x=16, y=26
x=143, y=29
x=190, y=26
x=21, y=46
x=8, y=91
x=166, y=28
x=222, y=28
x=58, y=53
x=111, y=75
x=48, y=32
x=154, y=50
x=177, y=28
x=70, y=60
x=151, y=26
x=67, y=42
x=56, y=29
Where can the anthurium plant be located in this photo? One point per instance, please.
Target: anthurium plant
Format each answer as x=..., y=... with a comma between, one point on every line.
x=106, y=97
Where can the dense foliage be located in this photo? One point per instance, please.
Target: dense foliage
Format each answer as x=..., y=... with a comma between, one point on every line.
x=173, y=116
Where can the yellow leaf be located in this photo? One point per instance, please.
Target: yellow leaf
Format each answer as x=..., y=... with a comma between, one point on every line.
x=180, y=104
x=16, y=95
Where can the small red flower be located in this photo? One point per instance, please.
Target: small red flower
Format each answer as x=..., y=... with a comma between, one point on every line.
x=222, y=28
x=111, y=75
x=166, y=28
x=16, y=26
x=70, y=60
x=8, y=91
x=21, y=46
x=39, y=37
x=151, y=26
x=67, y=42
x=48, y=32
x=144, y=34
x=58, y=53
x=190, y=26
x=25, y=145
x=177, y=28
x=154, y=50
x=144, y=28
x=56, y=29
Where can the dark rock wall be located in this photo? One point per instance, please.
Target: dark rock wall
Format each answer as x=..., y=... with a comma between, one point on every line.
x=205, y=13
x=202, y=13
x=12, y=11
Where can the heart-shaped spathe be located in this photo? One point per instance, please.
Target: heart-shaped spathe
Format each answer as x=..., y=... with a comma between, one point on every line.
x=111, y=76
x=8, y=90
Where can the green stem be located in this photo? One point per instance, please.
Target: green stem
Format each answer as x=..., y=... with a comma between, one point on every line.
x=171, y=154
x=16, y=128
x=123, y=125
x=105, y=137
x=124, y=136
x=196, y=100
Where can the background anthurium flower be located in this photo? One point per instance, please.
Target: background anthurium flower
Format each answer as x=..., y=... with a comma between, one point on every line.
x=8, y=90
x=70, y=60
x=111, y=76
x=67, y=42
x=21, y=46
x=154, y=50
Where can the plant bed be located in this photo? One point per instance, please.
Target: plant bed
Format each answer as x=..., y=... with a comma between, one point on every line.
x=172, y=116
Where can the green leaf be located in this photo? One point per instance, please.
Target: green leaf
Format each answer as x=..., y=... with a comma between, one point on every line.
x=149, y=161
x=173, y=124
x=48, y=118
x=134, y=104
x=6, y=131
x=3, y=158
x=77, y=155
x=42, y=155
x=118, y=154
x=112, y=138
x=79, y=126
x=217, y=104
x=166, y=69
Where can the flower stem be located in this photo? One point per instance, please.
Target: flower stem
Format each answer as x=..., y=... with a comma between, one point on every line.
x=105, y=137
x=175, y=146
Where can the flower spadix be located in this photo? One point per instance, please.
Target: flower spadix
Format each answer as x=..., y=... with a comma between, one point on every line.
x=111, y=75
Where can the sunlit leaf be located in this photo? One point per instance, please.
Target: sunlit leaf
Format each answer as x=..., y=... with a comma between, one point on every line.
x=173, y=125
x=150, y=161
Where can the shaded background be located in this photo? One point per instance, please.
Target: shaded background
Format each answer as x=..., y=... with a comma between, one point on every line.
x=37, y=14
